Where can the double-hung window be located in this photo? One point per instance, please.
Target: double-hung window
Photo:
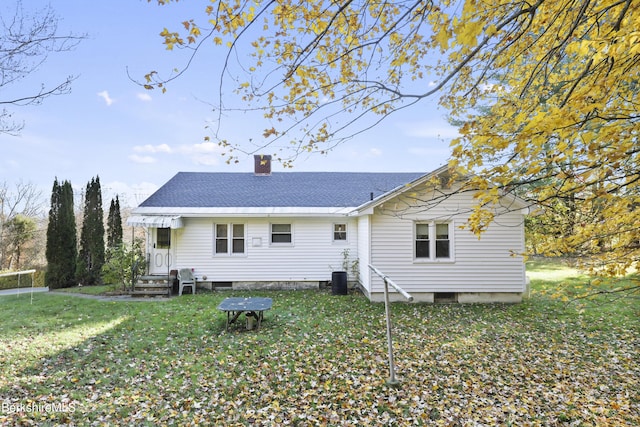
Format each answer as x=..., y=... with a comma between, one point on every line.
x=339, y=232
x=281, y=233
x=229, y=239
x=433, y=241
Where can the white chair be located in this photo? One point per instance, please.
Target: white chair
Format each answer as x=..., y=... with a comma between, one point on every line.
x=185, y=278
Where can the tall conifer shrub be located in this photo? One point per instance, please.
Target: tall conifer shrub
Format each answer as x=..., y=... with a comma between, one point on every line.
x=92, y=251
x=61, y=250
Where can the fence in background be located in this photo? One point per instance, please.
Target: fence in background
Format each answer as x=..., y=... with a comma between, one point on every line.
x=19, y=274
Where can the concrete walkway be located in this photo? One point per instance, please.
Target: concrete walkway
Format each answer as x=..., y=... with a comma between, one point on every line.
x=22, y=291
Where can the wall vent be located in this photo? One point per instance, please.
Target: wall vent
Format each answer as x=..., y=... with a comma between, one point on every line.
x=445, y=297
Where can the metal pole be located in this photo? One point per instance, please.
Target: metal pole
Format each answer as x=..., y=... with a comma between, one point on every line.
x=169, y=284
x=133, y=259
x=392, y=283
x=392, y=381
x=32, y=284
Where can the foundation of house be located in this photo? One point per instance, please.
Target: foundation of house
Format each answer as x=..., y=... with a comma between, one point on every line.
x=451, y=297
x=260, y=286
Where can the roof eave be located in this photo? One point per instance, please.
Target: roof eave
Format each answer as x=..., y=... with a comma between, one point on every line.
x=219, y=212
x=367, y=208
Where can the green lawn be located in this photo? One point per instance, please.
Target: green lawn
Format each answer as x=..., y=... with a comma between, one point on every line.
x=321, y=360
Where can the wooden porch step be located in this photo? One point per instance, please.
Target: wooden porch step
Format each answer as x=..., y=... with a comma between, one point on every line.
x=153, y=279
x=152, y=286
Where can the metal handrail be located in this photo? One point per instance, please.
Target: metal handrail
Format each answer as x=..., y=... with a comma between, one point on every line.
x=392, y=370
x=386, y=279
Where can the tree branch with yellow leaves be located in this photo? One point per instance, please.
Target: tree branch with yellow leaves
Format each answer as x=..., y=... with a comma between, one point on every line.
x=546, y=93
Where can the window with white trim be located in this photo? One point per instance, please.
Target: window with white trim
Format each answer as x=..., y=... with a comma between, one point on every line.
x=281, y=233
x=433, y=241
x=339, y=232
x=229, y=239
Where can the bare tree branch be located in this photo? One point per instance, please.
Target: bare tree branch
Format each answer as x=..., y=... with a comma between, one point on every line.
x=26, y=40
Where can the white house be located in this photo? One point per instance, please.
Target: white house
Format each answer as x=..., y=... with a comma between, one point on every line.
x=292, y=230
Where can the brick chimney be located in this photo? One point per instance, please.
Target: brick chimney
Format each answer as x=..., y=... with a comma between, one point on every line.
x=262, y=164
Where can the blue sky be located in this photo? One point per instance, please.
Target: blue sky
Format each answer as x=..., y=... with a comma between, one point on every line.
x=135, y=140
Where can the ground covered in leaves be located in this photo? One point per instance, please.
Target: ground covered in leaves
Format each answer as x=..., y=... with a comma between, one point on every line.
x=318, y=360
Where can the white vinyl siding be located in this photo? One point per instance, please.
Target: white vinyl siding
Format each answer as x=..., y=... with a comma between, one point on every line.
x=383, y=237
x=364, y=250
x=311, y=258
x=487, y=264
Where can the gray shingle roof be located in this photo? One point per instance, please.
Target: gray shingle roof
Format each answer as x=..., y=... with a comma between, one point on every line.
x=284, y=189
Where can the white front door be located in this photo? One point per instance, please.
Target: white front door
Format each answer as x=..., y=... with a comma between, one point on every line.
x=160, y=262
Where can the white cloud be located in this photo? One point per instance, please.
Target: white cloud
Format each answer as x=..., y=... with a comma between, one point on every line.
x=374, y=152
x=148, y=148
x=142, y=96
x=206, y=160
x=142, y=159
x=205, y=147
x=205, y=153
x=105, y=95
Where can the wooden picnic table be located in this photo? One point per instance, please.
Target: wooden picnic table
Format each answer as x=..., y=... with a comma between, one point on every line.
x=252, y=306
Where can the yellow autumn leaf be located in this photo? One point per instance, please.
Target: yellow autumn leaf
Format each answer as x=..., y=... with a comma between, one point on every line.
x=545, y=97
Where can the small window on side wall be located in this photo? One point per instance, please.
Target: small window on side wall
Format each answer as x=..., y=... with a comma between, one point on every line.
x=339, y=232
x=281, y=233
